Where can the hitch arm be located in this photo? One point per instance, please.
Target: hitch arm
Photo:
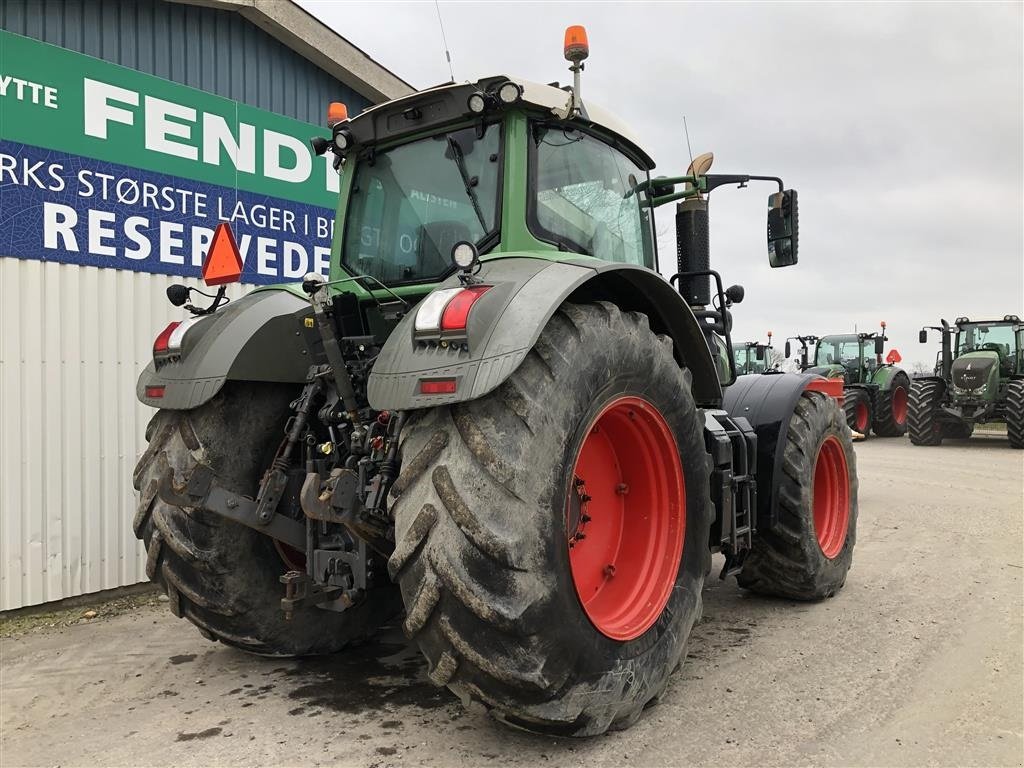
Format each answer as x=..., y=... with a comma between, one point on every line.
x=203, y=492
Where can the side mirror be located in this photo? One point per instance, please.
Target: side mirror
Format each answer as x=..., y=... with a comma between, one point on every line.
x=879, y=345
x=782, y=228
x=759, y=352
x=922, y=336
x=789, y=350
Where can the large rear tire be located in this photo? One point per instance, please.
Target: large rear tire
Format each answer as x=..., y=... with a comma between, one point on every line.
x=857, y=410
x=808, y=553
x=222, y=576
x=892, y=405
x=1014, y=409
x=597, y=423
x=922, y=408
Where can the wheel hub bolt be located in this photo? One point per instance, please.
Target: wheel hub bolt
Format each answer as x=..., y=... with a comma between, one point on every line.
x=622, y=489
x=609, y=571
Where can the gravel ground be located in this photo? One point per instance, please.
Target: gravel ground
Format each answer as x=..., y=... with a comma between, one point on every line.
x=917, y=662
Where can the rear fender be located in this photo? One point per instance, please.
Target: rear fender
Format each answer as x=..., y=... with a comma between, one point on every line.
x=885, y=375
x=255, y=338
x=767, y=402
x=507, y=321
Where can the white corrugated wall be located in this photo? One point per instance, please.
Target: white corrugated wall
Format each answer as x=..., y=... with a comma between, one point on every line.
x=73, y=341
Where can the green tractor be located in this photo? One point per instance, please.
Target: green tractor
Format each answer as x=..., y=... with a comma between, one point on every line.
x=494, y=416
x=875, y=392
x=754, y=357
x=979, y=378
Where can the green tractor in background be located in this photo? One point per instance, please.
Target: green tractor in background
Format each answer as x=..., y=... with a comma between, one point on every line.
x=979, y=379
x=875, y=392
x=753, y=356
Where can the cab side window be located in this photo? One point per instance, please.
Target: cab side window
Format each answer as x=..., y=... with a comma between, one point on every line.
x=582, y=197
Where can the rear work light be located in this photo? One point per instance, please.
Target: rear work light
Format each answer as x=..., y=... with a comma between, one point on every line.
x=438, y=386
x=448, y=309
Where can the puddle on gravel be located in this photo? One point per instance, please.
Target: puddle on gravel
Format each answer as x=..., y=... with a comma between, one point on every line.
x=376, y=677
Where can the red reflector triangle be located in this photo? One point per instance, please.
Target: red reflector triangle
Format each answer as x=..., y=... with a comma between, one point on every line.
x=223, y=262
x=893, y=357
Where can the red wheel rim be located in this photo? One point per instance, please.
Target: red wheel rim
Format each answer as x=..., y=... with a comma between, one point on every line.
x=862, y=416
x=831, y=497
x=899, y=405
x=626, y=518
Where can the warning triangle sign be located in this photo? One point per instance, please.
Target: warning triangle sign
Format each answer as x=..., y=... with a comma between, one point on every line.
x=223, y=262
x=893, y=357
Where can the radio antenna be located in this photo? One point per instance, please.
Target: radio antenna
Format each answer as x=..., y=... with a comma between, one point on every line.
x=687, y=131
x=444, y=39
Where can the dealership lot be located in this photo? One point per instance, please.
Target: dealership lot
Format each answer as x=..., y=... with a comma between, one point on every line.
x=917, y=661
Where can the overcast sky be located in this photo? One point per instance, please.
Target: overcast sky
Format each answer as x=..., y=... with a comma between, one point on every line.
x=901, y=126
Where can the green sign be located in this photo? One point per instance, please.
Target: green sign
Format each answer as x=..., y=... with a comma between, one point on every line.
x=57, y=99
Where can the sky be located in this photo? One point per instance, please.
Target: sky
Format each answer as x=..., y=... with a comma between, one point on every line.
x=901, y=125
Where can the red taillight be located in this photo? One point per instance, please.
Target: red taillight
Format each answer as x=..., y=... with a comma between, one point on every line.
x=155, y=391
x=164, y=339
x=456, y=312
x=437, y=386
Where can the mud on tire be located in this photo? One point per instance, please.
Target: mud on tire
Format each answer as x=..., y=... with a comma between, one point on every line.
x=222, y=576
x=789, y=560
x=481, y=543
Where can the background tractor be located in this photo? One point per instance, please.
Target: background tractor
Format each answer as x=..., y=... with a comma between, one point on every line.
x=495, y=414
x=979, y=377
x=754, y=357
x=875, y=392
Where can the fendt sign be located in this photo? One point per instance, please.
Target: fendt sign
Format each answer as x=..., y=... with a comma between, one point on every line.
x=105, y=166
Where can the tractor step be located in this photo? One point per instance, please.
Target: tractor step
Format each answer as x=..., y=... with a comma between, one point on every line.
x=732, y=443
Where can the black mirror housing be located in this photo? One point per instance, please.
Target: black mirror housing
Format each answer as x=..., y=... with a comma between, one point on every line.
x=879, y=345
x=783, y=226
x=759, y=352
x=922, y=336
x=789, y=350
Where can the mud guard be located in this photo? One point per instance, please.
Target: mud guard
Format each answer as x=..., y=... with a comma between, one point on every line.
x=508, y=319
x=254, y=338
x=884, y=376
x=767, y=402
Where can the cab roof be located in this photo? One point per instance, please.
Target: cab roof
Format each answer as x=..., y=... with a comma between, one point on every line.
x=448, y=102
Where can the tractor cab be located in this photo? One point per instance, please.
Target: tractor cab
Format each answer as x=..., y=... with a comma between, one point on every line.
x=853, y=357
x=754, y=356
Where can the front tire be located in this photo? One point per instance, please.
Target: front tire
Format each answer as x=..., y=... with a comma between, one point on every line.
x=487, y=504
x=891, y=414
x=922, y=409
x=218, y=574
x=1015, y=412
x=808, y=552
x=857, y=410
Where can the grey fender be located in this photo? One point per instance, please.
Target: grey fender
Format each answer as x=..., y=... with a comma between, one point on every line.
x=767, y=401
x=255, y=338
x=507, y=321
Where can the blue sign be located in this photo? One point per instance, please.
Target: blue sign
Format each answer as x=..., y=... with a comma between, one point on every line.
x=56, y=206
